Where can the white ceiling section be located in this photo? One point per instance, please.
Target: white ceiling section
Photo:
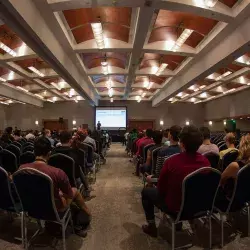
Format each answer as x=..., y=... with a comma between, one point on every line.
x=147, y=50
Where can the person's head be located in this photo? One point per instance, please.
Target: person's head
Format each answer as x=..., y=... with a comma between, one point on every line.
x=140, y=135
x=79, y=137
x=17, y=133
x=230, y=140
x=42, y=147
x=190, y=139
x=157, y=137
x=98, y=121
x=65, y=137
x=205, y=133
x=165, y=133
x=244, y=149
x=9, y=130
x=149, y=133
x=174, y=133
x=47, y=132
x=89, y=132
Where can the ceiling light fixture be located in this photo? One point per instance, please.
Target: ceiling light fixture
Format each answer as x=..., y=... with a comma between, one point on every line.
x=55, y=85
x=76, y=100
x=36, y=71
x=184, y=96
x=179, y=94
x=71, y=92
x=8, y=50
x=171, y=99
x=5, y=103
x=248, y=84
x=110, y=92
x=98, y=34
x=109, y=84
x=54, y=99
x=183, y=37
x=23, y=89
x=228, y=91
x=143, y=94
x=111, y=99
x=197, y=102
x=161, y=69
x=39, y=96
x=139, y=99
x=105, y=67
x=223, y=75
x=192, y=99
x=210, y=3
x=150, y=85
x=2, y=80
x=203, y=95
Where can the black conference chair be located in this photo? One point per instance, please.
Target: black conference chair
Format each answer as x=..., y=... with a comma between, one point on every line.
x=222, y=147
x=228, y=158
x=213, y=159
x=201, y=185
x=154, y=158
x=65, y=163
x=8, y=161
x=19, y=145
x=36, y=192
x=16, y=151
x=145, y=151
x=26, y=144
x=220, y=143
x=9, y=200
x=240, y=199
x=27, y=157
x=28, y=149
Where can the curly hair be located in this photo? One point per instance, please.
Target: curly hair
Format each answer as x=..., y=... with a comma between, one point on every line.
x=244, y=148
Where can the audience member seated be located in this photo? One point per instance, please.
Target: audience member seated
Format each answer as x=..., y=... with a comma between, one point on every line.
x=30, y=135
x=157, y=137
x=90, y=140
x=230, y=142
x=207, y=146
x=165, y=138
x=144, y=141
x=17, y=135
x=66, y=149
x=168, y=194
x=230, y=173
x=7, y=136
x=63, y=192
x=48, y=136
x=167, y=151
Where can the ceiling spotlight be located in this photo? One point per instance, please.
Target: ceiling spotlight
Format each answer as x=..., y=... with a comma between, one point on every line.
x=223, y=75
x=139, y=99
x=36, y=71
x=210, y=3
x=161, y=69
x=7, y=49
x=110, y=92
x=23, y=89
x=150, y=85
x=71, y=92
x=5, y=103
x=54, y=99
x=105, y=67
x=192, y=99
x=187, y=123
x=210, y=123
x=2, y=79
x=203, y=95
x=171, y=99
x=36, y=122
x=111, y=99
x=74, y=122
x=143, y=94
x=98, y=34
x=179, y=94
x=76, y=100
x=183, y=37
x=225, y=123
x=161, y=122
x=184, y=96
x=109, y=84
x=228, y=91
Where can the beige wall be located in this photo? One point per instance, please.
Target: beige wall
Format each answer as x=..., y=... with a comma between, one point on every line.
x=24, y=116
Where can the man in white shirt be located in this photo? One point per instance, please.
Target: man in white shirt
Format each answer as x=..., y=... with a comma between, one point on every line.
x=90, y=140
x=30, y=135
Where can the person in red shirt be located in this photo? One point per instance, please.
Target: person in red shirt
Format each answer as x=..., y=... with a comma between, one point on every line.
x=168, y=193
x=144, y=142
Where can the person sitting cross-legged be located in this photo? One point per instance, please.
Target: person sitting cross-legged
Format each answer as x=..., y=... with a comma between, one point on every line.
x=168, y=193
x=64, y=194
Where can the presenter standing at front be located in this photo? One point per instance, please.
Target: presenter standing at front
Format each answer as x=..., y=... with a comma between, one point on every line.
x=99, y=125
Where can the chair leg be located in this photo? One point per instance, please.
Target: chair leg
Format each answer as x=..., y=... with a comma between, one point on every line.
x=71, y=222
x=222, y=230
x=25, y=232
x=22, y=229
x=63, y=236
x=173, y=235
x=210, y=232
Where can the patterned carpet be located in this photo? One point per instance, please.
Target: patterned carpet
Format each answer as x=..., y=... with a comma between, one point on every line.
x=118, y=216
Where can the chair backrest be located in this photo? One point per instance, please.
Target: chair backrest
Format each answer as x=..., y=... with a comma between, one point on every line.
x=220, y=143
x=16, y=151
x=199, y=190
x=154, y=158
x=19, y=145
x=229, y=158
x=26, y=144
x=36, y=193
x=223, y=147
x=145, y=151
x=241, y=192
x=213, y=159
x=6, y=198
x=8, y=161
x=90, y=153
x=65, y=163
x=28, y=148
x=27, y=157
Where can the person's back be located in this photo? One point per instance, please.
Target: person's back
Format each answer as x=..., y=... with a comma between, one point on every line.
x=230, y=142
x=176, y=168
x=207, y=146
x=145, y=141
